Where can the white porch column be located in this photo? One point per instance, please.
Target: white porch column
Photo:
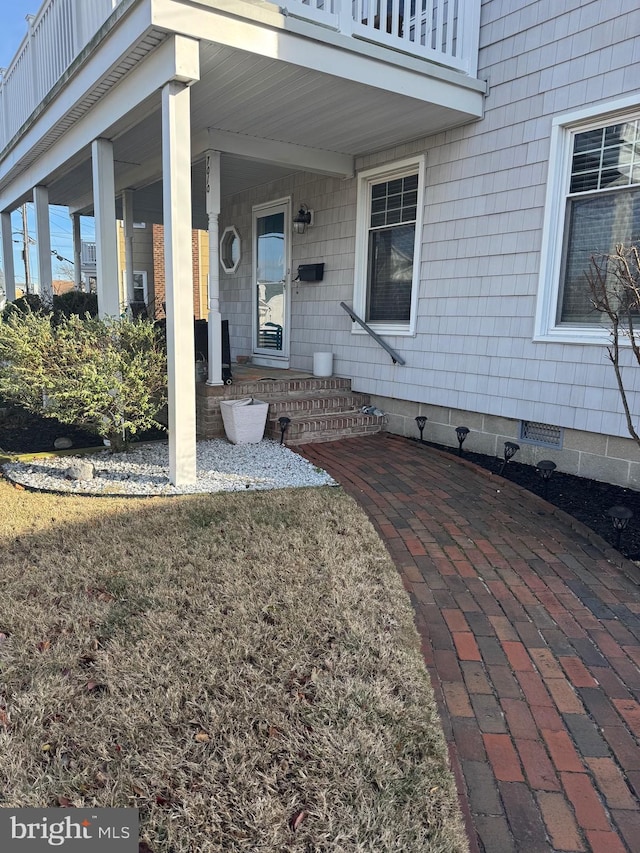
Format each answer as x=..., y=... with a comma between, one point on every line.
x=176, y=188
x=77, y=251
x=7, y=256
x=43, y=242
x=215, y=318
x=104, y=208
x=127, y=215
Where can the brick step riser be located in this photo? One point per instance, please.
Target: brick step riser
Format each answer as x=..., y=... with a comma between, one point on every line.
x=317, y=405
x=333, y=420
x=339, y=425
x=276, y=389
x=329, y=435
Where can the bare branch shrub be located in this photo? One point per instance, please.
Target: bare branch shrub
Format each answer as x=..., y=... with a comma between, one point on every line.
x=614, y=281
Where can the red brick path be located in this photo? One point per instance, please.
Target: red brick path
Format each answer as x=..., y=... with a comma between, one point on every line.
x=532, y=641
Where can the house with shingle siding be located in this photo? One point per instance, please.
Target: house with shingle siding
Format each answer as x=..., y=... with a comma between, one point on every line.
x=452, y=165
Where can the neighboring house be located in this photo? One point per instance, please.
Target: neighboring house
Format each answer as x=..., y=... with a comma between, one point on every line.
x=146, y=296
x=458, y=163
x=61, y=285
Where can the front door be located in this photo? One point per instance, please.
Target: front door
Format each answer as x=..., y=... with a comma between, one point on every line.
x=270, y=286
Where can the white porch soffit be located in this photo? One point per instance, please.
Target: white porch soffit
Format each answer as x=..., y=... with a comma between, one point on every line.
x=272, y=89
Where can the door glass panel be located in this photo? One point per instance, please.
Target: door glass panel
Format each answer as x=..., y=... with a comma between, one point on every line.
x=270, y=281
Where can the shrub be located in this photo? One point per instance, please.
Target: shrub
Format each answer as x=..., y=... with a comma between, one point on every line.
x=614, y=281
x=75, y=302
x=107, y=376
x=30, y=302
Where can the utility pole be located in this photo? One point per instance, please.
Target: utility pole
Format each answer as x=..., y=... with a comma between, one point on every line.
x=25, y=250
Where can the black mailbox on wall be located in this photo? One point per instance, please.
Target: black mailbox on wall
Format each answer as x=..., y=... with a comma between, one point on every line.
x=310, y=272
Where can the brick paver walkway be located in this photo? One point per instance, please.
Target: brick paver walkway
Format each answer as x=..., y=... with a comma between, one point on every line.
x=532, y=640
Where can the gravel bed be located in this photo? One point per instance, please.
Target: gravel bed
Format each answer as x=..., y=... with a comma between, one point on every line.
x=144, y=470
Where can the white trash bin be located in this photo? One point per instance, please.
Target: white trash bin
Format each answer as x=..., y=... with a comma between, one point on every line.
x=323, y=364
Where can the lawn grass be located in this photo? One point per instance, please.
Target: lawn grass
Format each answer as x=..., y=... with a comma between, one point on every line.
x=242, y=668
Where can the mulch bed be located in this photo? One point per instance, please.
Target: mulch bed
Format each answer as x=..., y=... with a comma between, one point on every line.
x=585, y=500
x=23, y=432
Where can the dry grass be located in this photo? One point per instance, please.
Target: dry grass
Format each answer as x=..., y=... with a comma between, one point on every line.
x=242, y=668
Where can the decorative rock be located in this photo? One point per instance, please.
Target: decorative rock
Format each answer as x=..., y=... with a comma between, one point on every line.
x=79, y=470
x=63, y=443
x=144, y=470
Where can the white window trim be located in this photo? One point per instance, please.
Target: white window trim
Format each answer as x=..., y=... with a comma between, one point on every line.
x=145, y=289
x=230, y=231
x=365, y=179
x=563, y=131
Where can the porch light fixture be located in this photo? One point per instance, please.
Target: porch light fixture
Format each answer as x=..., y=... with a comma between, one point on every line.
x=283, y=423
x=303, y=217
x=510, y=450
x=421, y=420
x=620, y=517
x=461, y=433
x=545, y=469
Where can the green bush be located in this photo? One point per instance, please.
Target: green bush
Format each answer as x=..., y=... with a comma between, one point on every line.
x=72, y=302
x=30, y=302
x=107, y=376
x=75, y=302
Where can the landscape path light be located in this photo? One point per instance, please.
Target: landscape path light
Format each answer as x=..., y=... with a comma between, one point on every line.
x=545, y=469
x=510, y=450
x=461, y=433
x=421, y=421
x=620, y=517
x=283, y=423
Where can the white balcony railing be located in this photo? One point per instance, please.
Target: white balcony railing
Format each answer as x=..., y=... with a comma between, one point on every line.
x=55, y=36
x=441, y=31
x=88, y=254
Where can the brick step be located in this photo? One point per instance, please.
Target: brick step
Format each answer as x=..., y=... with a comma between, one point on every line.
x=320, y=409
x=269, y=389
x=330, y=401
x=329, y=426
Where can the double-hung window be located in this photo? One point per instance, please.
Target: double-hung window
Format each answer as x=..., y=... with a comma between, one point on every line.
x=139, y=296
x=388, y=246
x=593, y=204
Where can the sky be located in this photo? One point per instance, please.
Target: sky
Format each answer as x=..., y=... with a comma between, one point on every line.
x=13, y=28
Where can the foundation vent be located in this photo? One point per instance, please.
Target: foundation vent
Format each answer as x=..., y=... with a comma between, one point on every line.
x=544, y=435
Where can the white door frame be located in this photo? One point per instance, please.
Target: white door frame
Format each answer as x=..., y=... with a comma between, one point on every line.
x=264, y=356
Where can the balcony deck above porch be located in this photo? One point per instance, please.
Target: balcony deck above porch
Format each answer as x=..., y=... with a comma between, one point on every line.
x=434, y=37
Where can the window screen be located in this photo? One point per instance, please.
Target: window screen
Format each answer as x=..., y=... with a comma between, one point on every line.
x=391, y=246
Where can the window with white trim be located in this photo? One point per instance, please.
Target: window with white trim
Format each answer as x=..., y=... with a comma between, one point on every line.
x=139, y=294
x=140, y=286
x=388, y=246
x=593, y=203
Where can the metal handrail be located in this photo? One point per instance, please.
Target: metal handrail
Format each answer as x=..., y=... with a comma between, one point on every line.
x=395, y=358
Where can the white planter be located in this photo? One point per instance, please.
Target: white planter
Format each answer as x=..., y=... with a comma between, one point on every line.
x=244, y=420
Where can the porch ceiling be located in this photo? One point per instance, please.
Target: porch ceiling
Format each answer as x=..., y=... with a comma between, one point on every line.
x=263, y=102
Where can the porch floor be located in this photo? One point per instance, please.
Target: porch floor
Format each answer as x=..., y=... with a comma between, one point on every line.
x=254, y=373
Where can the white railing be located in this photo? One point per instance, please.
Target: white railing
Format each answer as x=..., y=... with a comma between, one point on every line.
x=55, y=36
x=88, y=254
x=441, y=31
